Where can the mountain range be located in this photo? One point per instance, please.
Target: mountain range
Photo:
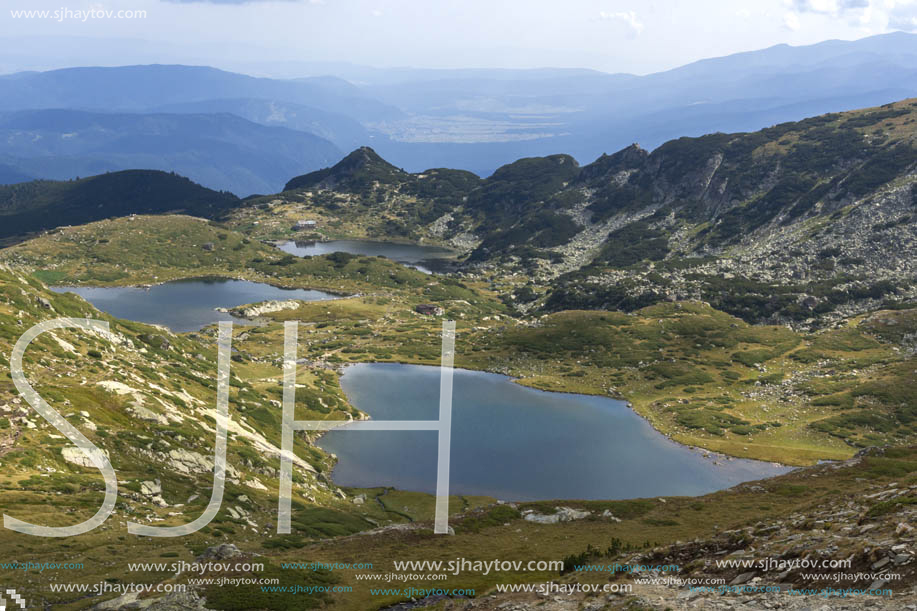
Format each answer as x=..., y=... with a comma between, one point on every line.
x=804, y=222
x=476, y=120
x=221, y=149
x=801, y=222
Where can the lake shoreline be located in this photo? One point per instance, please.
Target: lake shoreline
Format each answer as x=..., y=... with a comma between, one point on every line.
x=340, y=369
x=715, y=460
x=628, y=404
x=206, y=278
x=192, y=304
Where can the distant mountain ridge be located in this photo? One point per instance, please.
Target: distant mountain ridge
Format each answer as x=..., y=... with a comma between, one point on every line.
x=222, y=151
x=479, y=120
x=143, y=87
x=344, y=132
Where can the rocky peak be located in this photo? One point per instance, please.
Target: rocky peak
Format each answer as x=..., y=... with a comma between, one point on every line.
x=360, y=168
x=607, y=166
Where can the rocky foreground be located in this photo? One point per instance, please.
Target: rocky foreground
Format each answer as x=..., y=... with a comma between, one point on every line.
x=873, y=531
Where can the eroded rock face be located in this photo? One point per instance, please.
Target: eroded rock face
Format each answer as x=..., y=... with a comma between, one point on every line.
x=186, y=461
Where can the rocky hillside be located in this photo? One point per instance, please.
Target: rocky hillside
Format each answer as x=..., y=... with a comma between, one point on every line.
x=147, y=398
x=803, y=222
x=142, y=393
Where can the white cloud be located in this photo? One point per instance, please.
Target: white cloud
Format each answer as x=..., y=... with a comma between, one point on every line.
x=857, y=13
x=903, y=17
x=866, y=14
x=629, y=19
x=376, y=12
x=828, y=7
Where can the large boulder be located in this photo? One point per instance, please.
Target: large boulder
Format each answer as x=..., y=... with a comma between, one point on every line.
x=563, y=514
x=224, y=551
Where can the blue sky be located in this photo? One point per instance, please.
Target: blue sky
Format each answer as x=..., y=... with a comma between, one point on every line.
x=609, y=35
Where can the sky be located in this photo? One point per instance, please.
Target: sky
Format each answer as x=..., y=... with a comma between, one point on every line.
x=274, y=37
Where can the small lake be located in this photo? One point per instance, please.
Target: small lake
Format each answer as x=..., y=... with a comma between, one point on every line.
x=186, y=305
x=516, y=443
x=413, y=255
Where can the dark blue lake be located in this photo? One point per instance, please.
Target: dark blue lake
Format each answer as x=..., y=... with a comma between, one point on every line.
x=185, y=305
x=516, y=443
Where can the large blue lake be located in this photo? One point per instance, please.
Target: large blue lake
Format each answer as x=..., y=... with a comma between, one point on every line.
x=516, y=443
